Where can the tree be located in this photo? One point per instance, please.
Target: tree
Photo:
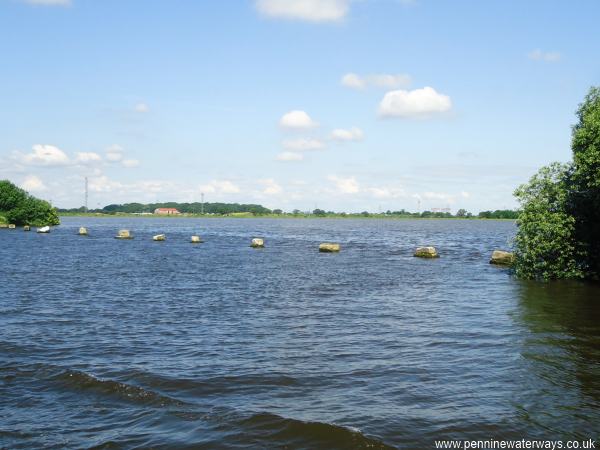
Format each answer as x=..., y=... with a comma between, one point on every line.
x=559, y=235
x=319, y=212
x=546, y=246
x=461, y=213
x=21, y=208
x=585, y=189
x=10, y=195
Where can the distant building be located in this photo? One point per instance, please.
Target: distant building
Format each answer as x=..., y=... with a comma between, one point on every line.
x=166, y=211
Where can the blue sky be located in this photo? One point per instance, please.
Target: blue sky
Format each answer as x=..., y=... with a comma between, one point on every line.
x=338, y=104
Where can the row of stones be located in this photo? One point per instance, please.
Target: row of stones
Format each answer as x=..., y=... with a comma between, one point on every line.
x=499, y=257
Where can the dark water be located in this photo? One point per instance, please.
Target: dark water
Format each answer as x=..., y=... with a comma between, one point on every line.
x=142, y=344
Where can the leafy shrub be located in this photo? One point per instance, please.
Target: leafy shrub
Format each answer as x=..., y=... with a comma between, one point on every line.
x=559, y=225
x=20, y=208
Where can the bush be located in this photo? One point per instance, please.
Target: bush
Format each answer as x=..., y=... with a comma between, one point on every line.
x=559, y=235
x=20, y=208
x=546, y=247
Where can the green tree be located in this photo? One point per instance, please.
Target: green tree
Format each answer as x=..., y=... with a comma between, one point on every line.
x=20, y=208
x=585, y=189
x=546, y=246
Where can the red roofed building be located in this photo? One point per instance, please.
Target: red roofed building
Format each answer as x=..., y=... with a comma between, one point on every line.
x=166, y=211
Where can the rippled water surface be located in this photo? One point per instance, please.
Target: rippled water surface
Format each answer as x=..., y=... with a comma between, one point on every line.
x=138, y=343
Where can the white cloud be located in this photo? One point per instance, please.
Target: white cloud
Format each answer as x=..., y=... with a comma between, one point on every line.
x=31, y=183
x=353, y=81
x=383, y=80
x=290, y=156
x=87, y=158
x=220, y=187
x=114, y=153
x=353, y=134
x=345, y=185
x=302, y=144
x=465, y=194
x=297, y=119
x=142, y=108
x=49, y=2
x=539, y=55
x=418, y=103
x=129, y=163
x=308, y=10
x=439, y=196
x=386, y=192
x=271, y=187
x=45, y=155
x=104, y=184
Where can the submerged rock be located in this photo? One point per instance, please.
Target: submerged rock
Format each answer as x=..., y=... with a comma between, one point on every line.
x=502, y=258
x=124, y=234
x=26, y=228
x=83, y=231
x=159, y=237
x=196, y=240
x=328, y=247
x=257, y=243
x=45, y=229
x=426, y=252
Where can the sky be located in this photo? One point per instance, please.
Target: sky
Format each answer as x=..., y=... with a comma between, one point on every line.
x=343, y=105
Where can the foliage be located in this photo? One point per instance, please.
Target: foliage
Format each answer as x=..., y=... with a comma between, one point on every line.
x=546, y=247
x=499, y=214
x=188, y=208
x=559, y=232
x=20, y=208
x=585, y=191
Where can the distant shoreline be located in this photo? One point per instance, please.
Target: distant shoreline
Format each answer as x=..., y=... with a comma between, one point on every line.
x=269, y=216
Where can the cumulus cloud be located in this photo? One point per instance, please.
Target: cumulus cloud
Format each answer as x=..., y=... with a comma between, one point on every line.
x=386, y=192
x=352, y=134
x=31, y=183
x=220, y=187
x=353, y=81
x=418, y=103
x=104, y=184
x=114, y=153
x=87, y=158
x=438, y=196
x=539, y=55
x=270, y=186
x=297, y=119
x=307, y=10
x=345, y=185
x=290, y=156
x=129, y=163
x=303, y=144
x=142, y=108
x=48, y=2
x=382, y=80
x=44, y=155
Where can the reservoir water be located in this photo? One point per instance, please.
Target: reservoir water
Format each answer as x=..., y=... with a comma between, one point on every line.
x=140, y=344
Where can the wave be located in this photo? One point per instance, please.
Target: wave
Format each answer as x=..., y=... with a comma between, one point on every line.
x=75, y=380
x=299, y=434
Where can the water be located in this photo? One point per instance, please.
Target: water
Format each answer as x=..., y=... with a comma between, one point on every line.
x=121, y=344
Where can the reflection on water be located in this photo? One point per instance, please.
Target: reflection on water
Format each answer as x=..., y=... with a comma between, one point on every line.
x=562, y=355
